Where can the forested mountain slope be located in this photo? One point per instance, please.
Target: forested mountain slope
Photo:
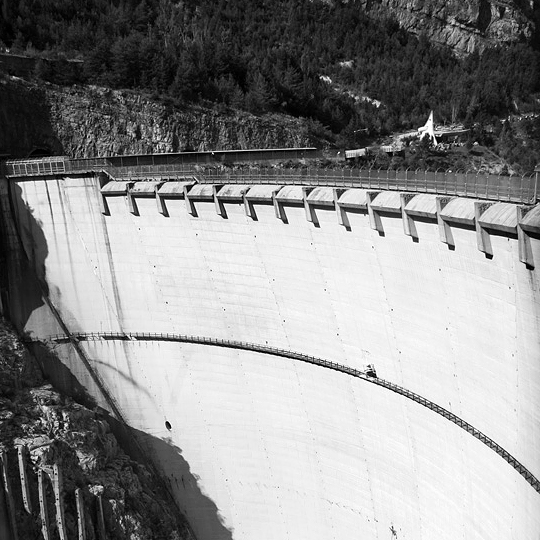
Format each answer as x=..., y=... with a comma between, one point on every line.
x=349, y=66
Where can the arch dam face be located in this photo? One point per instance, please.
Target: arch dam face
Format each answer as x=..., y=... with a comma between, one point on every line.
x=230, y=325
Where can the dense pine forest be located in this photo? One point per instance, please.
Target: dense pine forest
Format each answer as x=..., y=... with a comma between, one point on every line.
x=350, y=73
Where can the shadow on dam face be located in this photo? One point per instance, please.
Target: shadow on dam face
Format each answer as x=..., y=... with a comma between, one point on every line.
x=25, y=250
x=25, y=246
x=182, y=482
x=173, y=478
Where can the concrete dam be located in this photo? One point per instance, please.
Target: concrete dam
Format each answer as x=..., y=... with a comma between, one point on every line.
x=301, y=356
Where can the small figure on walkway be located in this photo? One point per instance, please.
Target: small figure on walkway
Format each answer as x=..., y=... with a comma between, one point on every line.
x=370, y=371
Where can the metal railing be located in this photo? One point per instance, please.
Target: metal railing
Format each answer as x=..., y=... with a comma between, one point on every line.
x=275, y=351
x=178, y=159
x=35, y=167
x=515, y=189
x=150, y=172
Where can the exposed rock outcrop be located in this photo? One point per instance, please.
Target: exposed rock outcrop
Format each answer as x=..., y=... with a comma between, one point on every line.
x=93, y=121
x=55, y=430
x=463, y=25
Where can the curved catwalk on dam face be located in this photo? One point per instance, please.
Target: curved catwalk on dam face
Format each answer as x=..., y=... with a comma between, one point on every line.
x=433, y=292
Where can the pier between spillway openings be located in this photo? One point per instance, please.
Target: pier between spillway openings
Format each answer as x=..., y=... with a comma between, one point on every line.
x=37, y=491
x=367, y=375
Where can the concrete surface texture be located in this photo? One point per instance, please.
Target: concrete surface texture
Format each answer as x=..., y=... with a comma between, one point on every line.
x=266, y=447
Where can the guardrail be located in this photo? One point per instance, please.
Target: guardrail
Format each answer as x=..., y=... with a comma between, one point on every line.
x=177, y=159
x=35, y=167
x=149, y=172
x=274, y=351
x=516, y=189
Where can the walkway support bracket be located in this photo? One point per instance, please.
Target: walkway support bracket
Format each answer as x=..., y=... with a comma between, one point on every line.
x=445, y=233
x=524, y=240
x=483, y=240
x=309, y=210
x=160, y=202
x=220, y=209
x=278, y=208
x=409, y=227
x=190, y=206
x=375, y=221
x=343, y=218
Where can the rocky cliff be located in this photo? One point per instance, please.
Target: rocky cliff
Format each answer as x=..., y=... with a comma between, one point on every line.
x=92, y=121
x=57, y=432
x=463, y=25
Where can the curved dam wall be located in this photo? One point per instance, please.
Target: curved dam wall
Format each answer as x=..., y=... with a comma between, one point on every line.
x=256, y=445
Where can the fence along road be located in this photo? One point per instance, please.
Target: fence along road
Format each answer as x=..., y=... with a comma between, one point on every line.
x=515, y=189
